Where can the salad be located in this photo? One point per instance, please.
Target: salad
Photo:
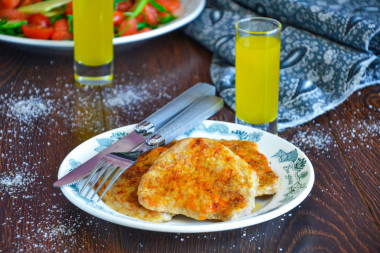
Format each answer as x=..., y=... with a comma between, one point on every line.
x=53, y=19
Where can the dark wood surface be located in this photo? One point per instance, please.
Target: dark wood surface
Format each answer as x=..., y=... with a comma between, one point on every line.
x=341, y=214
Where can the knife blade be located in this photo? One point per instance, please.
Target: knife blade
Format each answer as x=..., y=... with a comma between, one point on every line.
x=136, y=137
x=192, y=116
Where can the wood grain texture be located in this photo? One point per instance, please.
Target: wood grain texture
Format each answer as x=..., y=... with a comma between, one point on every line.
x=341, y=214
x=357, y=129
x=35, y=217
x=338, y=201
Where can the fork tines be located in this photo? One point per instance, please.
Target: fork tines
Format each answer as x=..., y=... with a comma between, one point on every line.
x=113, y=164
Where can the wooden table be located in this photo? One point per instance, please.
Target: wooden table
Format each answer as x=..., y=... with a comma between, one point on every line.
x=341, y=214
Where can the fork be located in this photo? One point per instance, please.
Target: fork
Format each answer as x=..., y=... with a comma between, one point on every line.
x=116, y=163
x=141, y=130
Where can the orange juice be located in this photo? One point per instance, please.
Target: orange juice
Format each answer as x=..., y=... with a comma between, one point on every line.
x=257, y=78
x=93, y=31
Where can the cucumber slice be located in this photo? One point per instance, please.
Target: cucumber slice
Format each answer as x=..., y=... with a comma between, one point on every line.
x=42, y=7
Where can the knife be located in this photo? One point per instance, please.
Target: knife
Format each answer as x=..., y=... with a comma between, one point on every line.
x=136, y=137
x=192, y=116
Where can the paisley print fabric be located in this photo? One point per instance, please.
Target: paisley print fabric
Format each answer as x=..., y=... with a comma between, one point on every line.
x=329, y=49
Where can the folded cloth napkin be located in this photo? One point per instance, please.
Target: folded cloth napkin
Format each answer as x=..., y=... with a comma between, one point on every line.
x=329, y=49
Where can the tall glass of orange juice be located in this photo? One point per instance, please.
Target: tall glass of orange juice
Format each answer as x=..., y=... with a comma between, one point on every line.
x=93, y=47
x=257, y=63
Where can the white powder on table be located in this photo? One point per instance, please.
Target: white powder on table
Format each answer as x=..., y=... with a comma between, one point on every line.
x=18, y=182
x=126, y=102
x=317, y=138
x=127, y=97
x=31, y=115
x=7, y=181
x=131, y=96
x=30, y=109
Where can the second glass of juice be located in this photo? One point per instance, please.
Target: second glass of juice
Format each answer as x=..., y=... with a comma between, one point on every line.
x=93, y=47
x=257, y=63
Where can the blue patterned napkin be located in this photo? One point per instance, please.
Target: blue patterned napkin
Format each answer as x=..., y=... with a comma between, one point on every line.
x=330, y=48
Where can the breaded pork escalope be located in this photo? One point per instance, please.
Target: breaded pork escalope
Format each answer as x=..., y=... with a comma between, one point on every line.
x=122, y=196
x=269, y=181
x=199, y=178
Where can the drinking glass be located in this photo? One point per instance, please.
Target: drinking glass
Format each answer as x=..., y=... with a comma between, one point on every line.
x=93, y=48
x=257, y=63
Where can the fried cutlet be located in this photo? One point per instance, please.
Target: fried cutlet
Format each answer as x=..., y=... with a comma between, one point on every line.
x=122, y=196
x=269, y=181
x=199, y=178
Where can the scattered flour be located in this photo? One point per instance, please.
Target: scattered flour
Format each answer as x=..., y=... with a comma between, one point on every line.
x=131, y=96
x=310, y=139
x=125, y=97
x=31, y=115
x=369, y=131
x=352, y=134
x=214, y=242
x=30, y=109
x=19, y=182
x=7, y=181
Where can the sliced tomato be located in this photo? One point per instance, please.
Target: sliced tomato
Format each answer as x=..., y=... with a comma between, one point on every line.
x=12, y=14
x=163, y=14
x=124, y=6
x=37, y=32
x=39, y=19
x=140, y=18
x=61, y=25
x=69, y=9
x=61, y=30
x=150, y=14
x=61, y=35
x=170, y=5
x=118, y=17
x=128, y=27
x=145, y=29
x=10, y=4
x=27, y=2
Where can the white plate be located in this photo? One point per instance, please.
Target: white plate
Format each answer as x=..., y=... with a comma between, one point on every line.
x=189, y=10
x=290, y=163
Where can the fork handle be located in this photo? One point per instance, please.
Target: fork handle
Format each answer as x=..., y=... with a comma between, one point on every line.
x=192, y=116
x=162, y=115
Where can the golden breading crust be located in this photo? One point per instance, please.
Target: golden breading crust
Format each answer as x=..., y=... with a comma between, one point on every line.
x=269, y=181
x=122, y=196
x=199, y=178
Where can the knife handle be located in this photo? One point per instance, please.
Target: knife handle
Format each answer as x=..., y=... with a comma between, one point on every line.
x=192, y=116
x=162, y=115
